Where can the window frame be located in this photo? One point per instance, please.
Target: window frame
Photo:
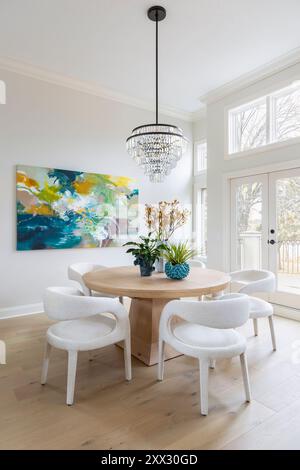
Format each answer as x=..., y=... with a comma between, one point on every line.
x=272, y=106
x=198, y=172
x=270, y=145
x=202, y=221
x=200, y=183
x=238, y=109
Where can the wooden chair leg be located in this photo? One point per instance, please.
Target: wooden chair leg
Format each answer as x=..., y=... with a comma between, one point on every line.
x=127, y=359
x=72, y=365
x=245, y=373
x=255, y=325
x=161, y=357
x=203, y=367
x=271, y=323
x=45, y=363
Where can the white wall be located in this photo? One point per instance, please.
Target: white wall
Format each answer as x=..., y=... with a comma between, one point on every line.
x=218, y=166
x=199, y=129
x=47, y=125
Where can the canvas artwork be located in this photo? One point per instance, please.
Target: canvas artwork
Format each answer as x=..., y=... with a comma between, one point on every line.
x=73, y=209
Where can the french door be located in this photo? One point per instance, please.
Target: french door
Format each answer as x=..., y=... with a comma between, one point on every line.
x=265, y=229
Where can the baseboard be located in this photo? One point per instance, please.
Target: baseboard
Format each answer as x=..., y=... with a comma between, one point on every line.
x=287, y=312
x=21, y=310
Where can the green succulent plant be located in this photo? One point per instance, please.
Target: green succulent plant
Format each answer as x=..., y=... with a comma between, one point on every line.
x=147, y=251
x=178, y=253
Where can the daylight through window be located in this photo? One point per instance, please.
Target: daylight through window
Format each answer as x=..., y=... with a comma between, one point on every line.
x=200, y=156
x=267, y=120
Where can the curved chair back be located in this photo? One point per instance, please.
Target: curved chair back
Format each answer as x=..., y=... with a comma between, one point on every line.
x=230, y=311
x=76, y=272
x=254, y=281
x=201, y=258
x=67, y=303
x=196, y=263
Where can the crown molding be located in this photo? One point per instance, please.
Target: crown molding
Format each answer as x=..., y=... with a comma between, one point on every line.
x=38, y=73
x=278, y=65
x=199, y=114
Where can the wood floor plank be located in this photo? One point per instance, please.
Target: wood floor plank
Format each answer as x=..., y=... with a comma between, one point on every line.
x=280, y=432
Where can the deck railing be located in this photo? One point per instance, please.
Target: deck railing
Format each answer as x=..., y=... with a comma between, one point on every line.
x=250, y=256
x=289, y=256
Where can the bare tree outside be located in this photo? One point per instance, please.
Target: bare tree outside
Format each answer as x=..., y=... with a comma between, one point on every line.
x=249, y=127
x=249, y=197
x=288, y=209
x=286, y=116
x=249, y=219
x=288, y=224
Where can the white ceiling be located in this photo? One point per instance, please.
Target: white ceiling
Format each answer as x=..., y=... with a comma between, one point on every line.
x=203, y=43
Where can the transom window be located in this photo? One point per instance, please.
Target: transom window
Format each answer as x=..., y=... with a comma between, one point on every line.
x=267, y=120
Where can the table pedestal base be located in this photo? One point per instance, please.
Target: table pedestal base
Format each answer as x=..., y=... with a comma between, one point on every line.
x=144, y=322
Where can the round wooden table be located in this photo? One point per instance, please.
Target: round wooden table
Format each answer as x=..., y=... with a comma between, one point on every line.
x=149, y=296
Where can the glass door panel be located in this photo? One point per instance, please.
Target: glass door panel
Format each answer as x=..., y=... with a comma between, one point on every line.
x=284, y=249
x=249, y=230
x=265, y=230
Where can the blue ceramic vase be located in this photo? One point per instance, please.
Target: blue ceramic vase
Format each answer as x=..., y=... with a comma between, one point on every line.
x=177, y=271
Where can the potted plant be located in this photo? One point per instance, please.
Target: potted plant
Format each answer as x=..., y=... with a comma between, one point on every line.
x=163, y=219
x=146, y=253
x=176, y=256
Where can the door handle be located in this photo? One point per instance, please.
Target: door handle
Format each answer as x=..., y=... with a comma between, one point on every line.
x=272, y=242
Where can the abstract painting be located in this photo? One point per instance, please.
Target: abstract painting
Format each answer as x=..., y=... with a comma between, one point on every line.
x=73, y=209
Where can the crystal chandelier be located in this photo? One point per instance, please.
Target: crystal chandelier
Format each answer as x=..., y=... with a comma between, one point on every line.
x=157, y=147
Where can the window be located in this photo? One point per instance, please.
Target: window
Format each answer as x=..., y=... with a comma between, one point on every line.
x=200, y=199
x=285, y=115
x=267, y=120
x=248, y=126
x=200, y=151
x=201, y=221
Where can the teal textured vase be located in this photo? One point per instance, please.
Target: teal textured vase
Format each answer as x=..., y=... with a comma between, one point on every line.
x=177, y=271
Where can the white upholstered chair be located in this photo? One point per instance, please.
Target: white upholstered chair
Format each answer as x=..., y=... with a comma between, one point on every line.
x=76, y=272
x=84, y=324
x=255, y=282
x=201, y=258
x=206, y=334
x=196, y=263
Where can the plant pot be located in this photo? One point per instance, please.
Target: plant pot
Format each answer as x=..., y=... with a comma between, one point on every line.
x=146, y=269
x=160, y=265
x=177, y=271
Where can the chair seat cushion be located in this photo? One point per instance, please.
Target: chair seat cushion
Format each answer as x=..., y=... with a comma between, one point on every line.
x=209, y=338
x=81, y=334
x=259, y=308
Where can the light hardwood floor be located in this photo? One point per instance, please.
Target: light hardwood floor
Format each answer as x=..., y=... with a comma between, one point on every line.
x=145, y=414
